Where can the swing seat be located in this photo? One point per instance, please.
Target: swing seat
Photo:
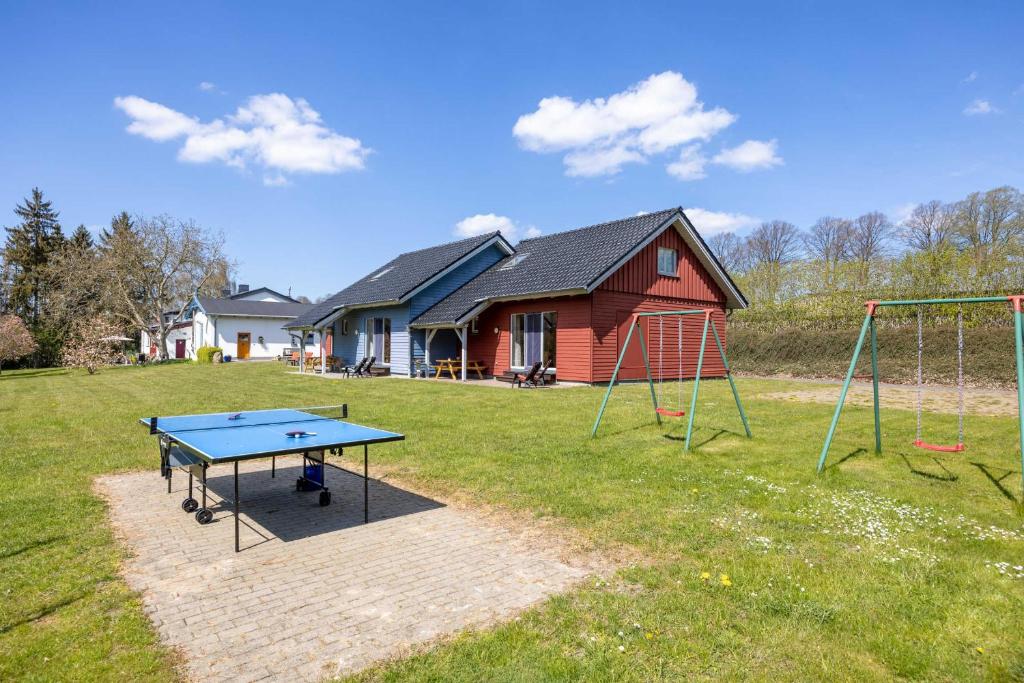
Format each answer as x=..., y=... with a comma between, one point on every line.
x=670, y=413
x=956, y=448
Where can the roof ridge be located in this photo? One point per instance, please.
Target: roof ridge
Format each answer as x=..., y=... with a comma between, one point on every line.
x=487, y=235
x=602, y=224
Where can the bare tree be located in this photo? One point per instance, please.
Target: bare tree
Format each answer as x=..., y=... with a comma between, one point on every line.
x=774, y=244
x=930, y=226
x=868, y=242
x=158, y=266
x=989, y=224
x=729, y=250
x=828, y=241
x=15, y=339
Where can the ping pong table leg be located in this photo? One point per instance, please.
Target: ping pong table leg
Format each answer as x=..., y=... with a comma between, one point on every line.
x=204, y=486
x=236, y=506
x=273, y=466
x=366, y=484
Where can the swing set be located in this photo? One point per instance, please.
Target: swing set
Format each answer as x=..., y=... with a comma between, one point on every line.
x=656, y=393
x=1017, y=305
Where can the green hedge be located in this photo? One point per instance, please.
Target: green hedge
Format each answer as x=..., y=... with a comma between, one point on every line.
x=988, y=354
x=204, y=354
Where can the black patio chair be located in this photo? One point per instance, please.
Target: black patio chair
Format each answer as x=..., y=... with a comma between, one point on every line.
x=528, y=379
x=368, y=368
x=357, y=369
x=542, y=376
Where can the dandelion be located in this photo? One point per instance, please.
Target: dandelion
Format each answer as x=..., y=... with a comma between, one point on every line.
x=694, y=490
x=705, y=576
x=648, y=635
x=980, y=650
x=726, y=581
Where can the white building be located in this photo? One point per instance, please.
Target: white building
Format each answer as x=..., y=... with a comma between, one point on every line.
x=246, y=325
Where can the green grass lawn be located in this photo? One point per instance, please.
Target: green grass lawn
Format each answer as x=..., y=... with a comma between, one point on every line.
x=885, y=567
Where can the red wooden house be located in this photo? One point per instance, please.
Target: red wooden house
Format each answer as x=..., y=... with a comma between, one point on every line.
x=571, y=296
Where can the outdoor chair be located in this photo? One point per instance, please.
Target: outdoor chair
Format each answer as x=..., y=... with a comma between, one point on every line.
x=542, y=376
x=357, y=370
x=528, y=379
x=367, y=369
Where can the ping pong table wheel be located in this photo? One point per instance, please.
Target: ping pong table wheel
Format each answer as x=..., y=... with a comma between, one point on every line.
x=204, y=516
x=299, y=485
x=190, y=505
x=325, y=498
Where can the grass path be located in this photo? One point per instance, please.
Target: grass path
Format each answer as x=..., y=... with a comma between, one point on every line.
x=900, y=566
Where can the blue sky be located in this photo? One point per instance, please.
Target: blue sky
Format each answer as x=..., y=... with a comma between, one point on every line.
x=390, y=127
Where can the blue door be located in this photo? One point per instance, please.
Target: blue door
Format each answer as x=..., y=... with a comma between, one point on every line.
x=533, y=338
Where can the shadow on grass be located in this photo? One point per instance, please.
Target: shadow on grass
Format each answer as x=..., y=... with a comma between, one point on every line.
x=946, y=475
x=698, y=444
x=7, y=554
x=45, y=612
x=998, y=481
x=855, y=453
x=15, y=374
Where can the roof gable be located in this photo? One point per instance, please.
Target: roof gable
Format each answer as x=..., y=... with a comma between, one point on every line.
x=251, y=294
x=401, y=277
x=575, y=262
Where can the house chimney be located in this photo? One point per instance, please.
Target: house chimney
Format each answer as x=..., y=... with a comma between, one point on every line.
x=243, y=288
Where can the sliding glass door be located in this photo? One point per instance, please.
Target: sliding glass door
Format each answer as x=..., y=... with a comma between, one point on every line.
x=533, y=338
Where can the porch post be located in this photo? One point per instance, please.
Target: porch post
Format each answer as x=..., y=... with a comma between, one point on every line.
x=464, y=335
x=302, y=350
x=323, y=351
x=426, y=348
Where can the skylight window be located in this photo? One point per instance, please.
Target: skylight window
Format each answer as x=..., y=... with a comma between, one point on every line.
x=514, y=261
x=380, y=274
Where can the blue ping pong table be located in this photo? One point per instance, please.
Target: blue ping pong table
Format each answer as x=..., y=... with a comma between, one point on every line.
x=192, y=443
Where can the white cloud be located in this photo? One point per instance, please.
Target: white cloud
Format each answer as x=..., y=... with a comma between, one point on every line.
x=601, y=135
x=483, y=223
x=272, y=132
x=689, y=165
x=980, y=107
x=971, y=77
x=711, y=222
x=207, y=86
x=750, y=156
x=903, y=212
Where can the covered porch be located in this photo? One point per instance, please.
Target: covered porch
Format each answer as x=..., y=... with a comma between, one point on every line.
x=444, y=351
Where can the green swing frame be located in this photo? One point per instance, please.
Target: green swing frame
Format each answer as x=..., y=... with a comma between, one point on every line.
x=635, y=325
x=1016, y=302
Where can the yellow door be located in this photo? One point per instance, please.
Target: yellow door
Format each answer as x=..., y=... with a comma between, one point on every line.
x=243, y=345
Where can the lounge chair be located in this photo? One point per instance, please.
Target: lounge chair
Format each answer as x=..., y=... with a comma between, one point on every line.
x=528, y=379
x=357, y=369
x=366, y=371
x=542, y=376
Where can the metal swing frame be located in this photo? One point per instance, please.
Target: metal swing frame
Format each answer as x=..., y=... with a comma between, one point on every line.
x=1016, y=302
x=635, y=325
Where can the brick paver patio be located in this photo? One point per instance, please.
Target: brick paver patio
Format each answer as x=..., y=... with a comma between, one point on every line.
x=315, y=592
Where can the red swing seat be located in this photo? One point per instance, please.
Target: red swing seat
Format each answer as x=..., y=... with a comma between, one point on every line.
x=957, y=448
x=670, y=413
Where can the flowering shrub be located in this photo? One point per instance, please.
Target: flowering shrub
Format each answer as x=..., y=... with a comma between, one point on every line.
x=90, y=345
x=15, y=339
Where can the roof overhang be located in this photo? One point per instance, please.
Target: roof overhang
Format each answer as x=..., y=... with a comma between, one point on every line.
x=734, y=297
x=340, y=311
x=483, y=304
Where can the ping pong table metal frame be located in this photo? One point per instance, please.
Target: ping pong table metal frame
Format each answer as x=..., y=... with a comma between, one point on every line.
x=197, y=459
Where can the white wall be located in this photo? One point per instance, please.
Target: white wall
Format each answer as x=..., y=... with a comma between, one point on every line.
x=179, y=333
x=259, y=296
x=275, y=339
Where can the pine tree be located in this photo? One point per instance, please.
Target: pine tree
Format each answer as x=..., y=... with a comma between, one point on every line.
x=26, y=255
x=81, y=240
x=121, y=227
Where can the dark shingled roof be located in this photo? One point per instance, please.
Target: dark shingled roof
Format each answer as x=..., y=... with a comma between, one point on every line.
x=395, y=279
x=268, y=309
x=564, y=261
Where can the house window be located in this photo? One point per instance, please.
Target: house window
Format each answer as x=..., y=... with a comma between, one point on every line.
x=344, y=326
x=378, y=339
x=667, y=261
x=533, y=338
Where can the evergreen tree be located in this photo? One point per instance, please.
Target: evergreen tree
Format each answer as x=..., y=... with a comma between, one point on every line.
x=121, y=227
x=81, y=240
x=26, y=255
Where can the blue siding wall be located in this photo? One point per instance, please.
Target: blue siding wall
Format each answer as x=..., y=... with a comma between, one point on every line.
x=351, y=347
x=439, y=290
x=406, y=344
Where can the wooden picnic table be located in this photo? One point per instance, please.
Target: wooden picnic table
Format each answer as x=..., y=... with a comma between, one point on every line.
x=454, y=367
